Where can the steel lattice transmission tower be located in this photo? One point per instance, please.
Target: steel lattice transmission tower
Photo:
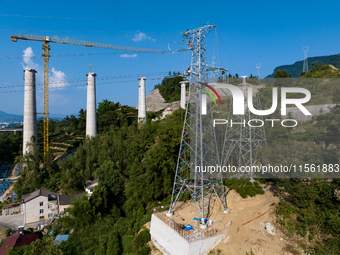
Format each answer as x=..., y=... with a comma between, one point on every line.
x=241, y=142
x=258, y=66
x=305, y=61
x=198, y=144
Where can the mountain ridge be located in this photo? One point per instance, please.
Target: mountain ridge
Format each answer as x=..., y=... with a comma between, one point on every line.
x=296, y=68
x=4, y=117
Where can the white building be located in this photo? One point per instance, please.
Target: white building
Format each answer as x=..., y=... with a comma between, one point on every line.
x=42, y=205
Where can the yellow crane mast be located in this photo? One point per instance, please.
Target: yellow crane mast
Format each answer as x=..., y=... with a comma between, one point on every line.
x=46, y=49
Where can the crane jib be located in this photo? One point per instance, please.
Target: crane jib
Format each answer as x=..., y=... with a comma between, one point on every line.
x=15, y=38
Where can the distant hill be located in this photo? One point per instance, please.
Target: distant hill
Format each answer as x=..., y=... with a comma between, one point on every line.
x=5, y=117
x=296, y=68
x=10, y=117
x=54, y=116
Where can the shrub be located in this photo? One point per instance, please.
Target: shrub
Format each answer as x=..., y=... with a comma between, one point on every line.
x=144, y=250
x=141, y=239
x=30, y=230
x=8, y=232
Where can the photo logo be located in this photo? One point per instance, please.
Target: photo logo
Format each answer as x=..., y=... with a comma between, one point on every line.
x=238, y=99
x=204, y=97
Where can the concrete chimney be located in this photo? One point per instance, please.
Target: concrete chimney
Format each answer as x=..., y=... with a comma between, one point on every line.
x=141, y=101
x=91, y=117
x=183, y=93
x=30, y=109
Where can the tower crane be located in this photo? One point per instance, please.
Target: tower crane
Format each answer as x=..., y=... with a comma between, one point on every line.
x=46, y=49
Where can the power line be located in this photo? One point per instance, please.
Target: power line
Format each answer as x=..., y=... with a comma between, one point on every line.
x=226, y=50
x=73, y=86
x=124, y=20
x=76, y=55
x=8, y=85
x=66, y=55
x=88, y=31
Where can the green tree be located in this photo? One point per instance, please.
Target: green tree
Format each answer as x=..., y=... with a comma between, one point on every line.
x=31, y=176
x=8, y=232
x=141, y=239
x=170, y=88
x=282, y=79
x=10, y=144
x=110, y=189
x=82, y=213
x=45, y=246
x=114, y=246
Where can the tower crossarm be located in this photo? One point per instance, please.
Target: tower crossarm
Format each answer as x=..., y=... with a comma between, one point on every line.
x=202, y=30
x=81, y=42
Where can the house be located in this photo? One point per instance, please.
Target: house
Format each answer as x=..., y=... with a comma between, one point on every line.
x=65, y=201
x=89, y=186
x=42, y=205
x=18, y=239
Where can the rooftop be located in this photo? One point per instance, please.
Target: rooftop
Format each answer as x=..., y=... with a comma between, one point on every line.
x=66, y=199
x=63, y=199
x=37, y=193
x=17, y=240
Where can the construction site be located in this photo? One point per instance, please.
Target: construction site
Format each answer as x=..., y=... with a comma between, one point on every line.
x=223, y=125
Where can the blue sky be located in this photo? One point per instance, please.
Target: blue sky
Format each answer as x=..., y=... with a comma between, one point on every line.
x=249, y=32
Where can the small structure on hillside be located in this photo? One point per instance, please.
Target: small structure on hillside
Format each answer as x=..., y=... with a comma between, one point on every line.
x=89, y=186
x=18, y=239
x=10, y=209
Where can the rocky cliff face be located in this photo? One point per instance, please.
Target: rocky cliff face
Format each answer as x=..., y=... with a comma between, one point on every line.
x=155, y=102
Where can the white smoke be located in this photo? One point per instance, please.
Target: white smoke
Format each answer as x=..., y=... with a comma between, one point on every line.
x=27, y=58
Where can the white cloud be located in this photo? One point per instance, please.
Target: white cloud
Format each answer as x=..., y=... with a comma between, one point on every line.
x=57, y=79
x=128, y=56
x=27, y=58
x=142, y=36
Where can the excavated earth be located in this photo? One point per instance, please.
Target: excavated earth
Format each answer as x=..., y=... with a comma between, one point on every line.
x=262, y=235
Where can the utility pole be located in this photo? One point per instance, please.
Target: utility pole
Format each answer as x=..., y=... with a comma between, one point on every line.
x=305, y=61
x=258, y=66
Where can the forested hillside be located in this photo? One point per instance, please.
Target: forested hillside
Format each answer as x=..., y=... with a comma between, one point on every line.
x=10, y=145
x=135, y=166
x=310, y=210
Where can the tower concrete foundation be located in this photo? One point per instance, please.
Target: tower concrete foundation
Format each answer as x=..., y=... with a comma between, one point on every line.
x=169, y=238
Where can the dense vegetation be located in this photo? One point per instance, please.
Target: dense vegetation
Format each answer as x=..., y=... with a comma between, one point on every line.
x=10, y=145
x=310, y=211
x=311, y=206
x=244, y=187
x=170, y=88
x=135, y=166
